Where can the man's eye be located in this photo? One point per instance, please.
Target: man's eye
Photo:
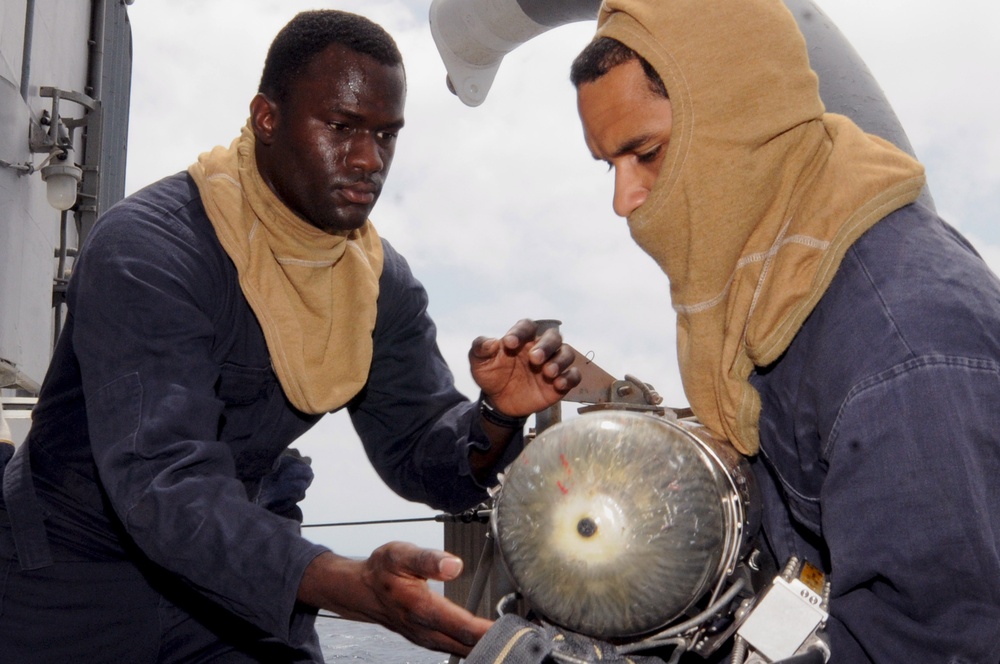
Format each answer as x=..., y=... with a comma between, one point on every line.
x=648, y=157
x=337, y=126
x=386, y=135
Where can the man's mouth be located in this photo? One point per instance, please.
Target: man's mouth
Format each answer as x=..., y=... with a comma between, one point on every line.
x=359, y=194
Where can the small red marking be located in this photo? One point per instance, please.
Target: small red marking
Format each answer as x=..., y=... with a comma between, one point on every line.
x=565, y=464
x=562, y=488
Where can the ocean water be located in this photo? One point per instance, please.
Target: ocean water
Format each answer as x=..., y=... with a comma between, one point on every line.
x=348, y=641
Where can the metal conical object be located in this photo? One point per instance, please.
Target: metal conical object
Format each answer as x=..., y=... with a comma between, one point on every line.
x=613, y=523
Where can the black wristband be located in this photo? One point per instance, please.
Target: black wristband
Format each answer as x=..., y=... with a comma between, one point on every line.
x=494, y=416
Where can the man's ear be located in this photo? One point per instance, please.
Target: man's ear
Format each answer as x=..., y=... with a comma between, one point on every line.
x=263, y=118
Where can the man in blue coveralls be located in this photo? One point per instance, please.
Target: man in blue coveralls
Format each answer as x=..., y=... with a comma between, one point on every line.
x=214, y=317
x=829, y=325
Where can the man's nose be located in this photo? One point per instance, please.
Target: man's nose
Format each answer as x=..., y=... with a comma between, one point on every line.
x=364, y=153
x=630, y=192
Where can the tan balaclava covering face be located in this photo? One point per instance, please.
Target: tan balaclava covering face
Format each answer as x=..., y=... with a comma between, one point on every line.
x=760, y=195
x=314, y=294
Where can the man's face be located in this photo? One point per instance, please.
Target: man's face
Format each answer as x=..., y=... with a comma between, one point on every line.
x=627, y=125
x=326, y=149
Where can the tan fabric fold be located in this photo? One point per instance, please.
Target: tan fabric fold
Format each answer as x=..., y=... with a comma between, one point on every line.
x=314, y=294
x=761, y=192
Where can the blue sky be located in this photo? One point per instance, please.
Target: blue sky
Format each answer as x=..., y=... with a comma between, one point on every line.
x=500, y=209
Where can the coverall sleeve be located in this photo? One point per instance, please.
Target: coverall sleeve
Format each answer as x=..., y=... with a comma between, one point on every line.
x=143, y=300
x=911, y=516
x=416, y=427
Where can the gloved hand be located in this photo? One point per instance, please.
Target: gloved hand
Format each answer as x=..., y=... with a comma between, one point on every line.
x=285, y=486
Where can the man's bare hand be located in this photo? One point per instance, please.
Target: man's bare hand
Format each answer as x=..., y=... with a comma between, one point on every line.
x=520, y=374
x=390, y=588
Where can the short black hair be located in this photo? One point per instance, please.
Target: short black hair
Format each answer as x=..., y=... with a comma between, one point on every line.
x=309, y=33
x=604, y=54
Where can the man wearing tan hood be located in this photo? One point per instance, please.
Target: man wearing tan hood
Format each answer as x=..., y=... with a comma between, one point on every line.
x=837, y=332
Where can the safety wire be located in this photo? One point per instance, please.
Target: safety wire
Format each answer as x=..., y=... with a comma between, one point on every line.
x=668, y=636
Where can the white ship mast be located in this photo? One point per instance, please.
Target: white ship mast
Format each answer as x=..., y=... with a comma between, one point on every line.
x=65, y=76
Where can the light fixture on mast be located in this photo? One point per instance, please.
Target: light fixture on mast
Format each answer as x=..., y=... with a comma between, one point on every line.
x=53, y=134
